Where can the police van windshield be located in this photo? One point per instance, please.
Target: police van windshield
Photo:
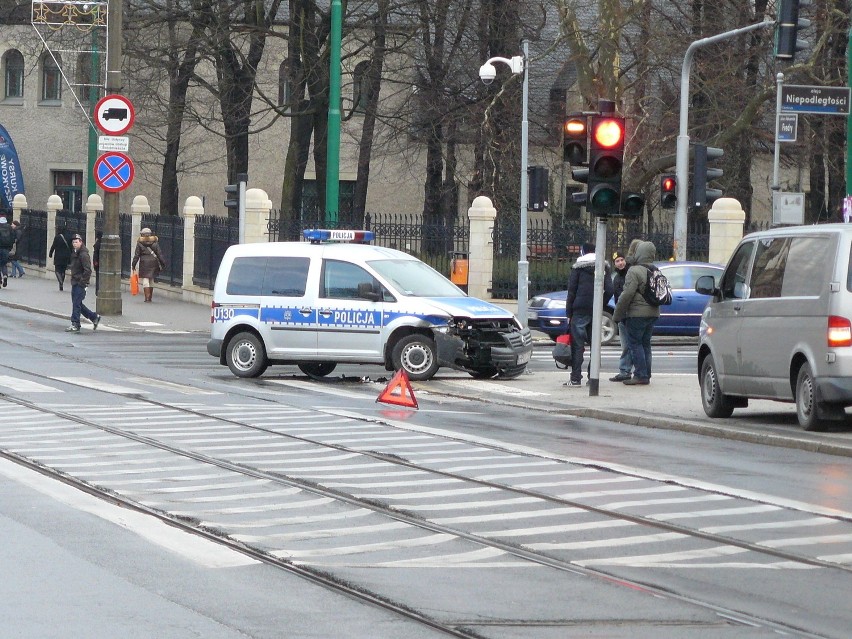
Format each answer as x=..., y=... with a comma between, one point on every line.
x=413, y=277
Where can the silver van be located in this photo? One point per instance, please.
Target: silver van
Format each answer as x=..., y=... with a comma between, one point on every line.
x=778, y=325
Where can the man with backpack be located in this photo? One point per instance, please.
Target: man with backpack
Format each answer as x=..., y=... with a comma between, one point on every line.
x=7, y=241
x=638, y=314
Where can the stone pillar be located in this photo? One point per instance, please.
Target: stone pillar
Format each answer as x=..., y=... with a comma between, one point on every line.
x=139, y=207
x=192, y=208
x=94, y=203
x=727, y=219
x=54, y=204
x=481, y=248
x=19, y=203
x=258, y=208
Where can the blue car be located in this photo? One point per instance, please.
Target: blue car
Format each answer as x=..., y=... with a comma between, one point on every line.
x=546, y=312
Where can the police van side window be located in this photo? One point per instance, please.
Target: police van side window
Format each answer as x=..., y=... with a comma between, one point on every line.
x=340, y=280
x=734, y=279
x=286, y=276
x=246, y=276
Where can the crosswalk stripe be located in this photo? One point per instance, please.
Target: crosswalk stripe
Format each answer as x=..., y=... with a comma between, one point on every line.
x=428, y=540
x=25, y=385
x=94, y=384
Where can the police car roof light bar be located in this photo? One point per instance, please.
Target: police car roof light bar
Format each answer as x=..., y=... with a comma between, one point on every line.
x=316, y=236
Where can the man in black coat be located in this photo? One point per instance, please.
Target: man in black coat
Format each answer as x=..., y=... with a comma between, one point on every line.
x=579, y=306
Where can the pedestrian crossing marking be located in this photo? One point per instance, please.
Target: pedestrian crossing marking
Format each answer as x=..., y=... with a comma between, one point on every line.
x=94, y=384
x=25, y=385
x=172, y=386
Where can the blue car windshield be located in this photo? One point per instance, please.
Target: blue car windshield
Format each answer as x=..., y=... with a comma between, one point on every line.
x=416, y=279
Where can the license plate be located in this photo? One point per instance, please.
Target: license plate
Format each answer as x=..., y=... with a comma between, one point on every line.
x=532, y=314
x=523, y=358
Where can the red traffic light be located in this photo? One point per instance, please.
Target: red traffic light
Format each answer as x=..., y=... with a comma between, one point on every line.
x=668, y=185
x=608, y=133
x=668, y=191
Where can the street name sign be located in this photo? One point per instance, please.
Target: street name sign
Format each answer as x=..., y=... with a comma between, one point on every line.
x=811, y=99
x=114, y=114
x=114, y=171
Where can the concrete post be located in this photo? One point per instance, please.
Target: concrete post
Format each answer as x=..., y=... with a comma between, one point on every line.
x=94, y=203
x=258, y=208
x=191, y=209
x=727, y=219
x=139, y=207
x=19, y=203
x=481, y=248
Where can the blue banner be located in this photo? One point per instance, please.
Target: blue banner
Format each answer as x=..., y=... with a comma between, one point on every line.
x=11, y=178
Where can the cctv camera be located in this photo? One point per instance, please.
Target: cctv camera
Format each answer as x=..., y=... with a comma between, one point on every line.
x=487, y=73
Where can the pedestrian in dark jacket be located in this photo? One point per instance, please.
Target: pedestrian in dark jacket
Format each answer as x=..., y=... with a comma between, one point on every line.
x=96, y=259
x=17, y=269
x=579, y=305
x=150, y=260
x=639, y=317
x=81, y=273
x=60, y=251
x=7, y=241
x=625, y=362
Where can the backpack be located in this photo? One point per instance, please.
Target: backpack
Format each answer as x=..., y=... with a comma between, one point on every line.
x=7, y=236
x=657, y=290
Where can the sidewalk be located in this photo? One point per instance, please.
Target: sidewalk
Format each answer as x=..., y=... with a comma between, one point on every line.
x=39, y=291
x=671, y=401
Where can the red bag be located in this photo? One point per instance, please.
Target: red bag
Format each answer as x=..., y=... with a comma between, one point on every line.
x=134, y=283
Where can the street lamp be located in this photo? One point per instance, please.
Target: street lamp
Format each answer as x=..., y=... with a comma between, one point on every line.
x=487, y=73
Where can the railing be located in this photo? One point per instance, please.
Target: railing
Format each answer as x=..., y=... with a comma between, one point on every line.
x=32, y=248
x=213, y=236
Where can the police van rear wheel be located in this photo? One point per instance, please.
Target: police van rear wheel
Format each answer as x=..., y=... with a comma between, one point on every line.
x=417, y=356
x=318, y=369
x=246, y=356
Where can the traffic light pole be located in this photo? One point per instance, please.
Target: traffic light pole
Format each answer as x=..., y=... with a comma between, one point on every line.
x=682, y=155
x=523, y=261
x=597, y=308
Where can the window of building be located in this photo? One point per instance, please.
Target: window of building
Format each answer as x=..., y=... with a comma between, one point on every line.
x=13, y=67
x=360, y=86
x=69, y=186
x=51, y=79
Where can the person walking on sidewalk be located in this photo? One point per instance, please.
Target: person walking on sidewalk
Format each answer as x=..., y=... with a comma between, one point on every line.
x=17, y=269
x=7, y=241
x=81, y=272
x=625, y=362
x=579, y=304
x=62, y=248
x=150, y=260
x=638, y=316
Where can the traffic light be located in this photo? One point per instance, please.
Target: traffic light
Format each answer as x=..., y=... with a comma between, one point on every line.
x=787, y=26
x=581, y=176
x=702, y=175
x=606, y=160
x=575, y=140
x=232, y=198
x=538, y=178
x=632, y=205
x=668, y=191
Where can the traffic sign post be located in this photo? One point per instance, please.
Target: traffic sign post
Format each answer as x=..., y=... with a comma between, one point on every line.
x=114, y=114
x=114, y=172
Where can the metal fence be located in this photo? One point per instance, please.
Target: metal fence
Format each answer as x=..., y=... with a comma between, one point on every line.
x=32, y=248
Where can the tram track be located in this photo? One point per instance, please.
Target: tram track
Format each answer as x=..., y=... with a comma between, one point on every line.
x=316, y=488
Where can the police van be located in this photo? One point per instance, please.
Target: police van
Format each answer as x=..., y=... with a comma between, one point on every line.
x=336, y=299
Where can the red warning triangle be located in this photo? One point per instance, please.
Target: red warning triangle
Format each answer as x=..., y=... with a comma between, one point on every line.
x=398, y=391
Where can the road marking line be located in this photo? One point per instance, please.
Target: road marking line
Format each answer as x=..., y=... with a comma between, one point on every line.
x=25, y=385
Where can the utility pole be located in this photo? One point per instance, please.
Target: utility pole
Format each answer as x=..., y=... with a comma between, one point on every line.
x=109, y=289
x=332, y=172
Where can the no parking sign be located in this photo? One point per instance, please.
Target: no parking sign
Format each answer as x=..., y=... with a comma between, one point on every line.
x=114, y=171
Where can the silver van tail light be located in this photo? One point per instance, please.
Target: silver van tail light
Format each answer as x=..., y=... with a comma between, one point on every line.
x=839, y=331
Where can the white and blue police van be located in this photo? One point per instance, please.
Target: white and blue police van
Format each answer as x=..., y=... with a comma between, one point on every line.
x=335, y=299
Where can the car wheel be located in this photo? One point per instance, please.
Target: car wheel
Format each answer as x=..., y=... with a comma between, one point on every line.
x=714, y=401
x=417, y=355
x=246, y=356
x=806, y=403
x=318, y=369
x=483, y=373
x=609, y=329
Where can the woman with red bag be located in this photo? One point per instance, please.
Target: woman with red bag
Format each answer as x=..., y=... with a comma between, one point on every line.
x=149, y=260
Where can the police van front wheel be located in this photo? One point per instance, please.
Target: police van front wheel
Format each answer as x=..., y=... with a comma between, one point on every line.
x=246, y=356
x=417, y=356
